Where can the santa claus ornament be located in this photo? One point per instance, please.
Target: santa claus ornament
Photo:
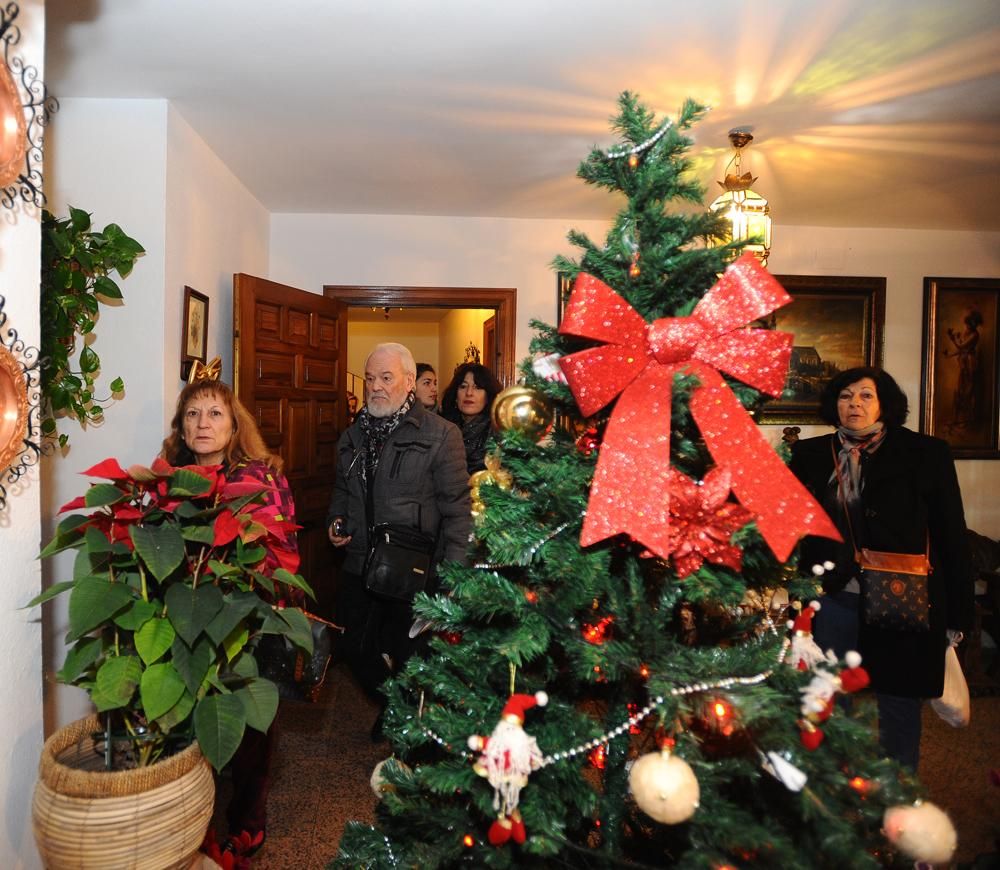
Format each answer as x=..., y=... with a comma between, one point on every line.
x=818, y=695
x=805, y=651
x=508, y=756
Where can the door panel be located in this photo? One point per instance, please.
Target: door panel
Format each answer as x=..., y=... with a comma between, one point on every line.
x=290, y=350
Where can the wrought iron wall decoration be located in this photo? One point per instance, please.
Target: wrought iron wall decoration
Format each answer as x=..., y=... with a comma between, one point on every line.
x=24, y=114
x=20, y=394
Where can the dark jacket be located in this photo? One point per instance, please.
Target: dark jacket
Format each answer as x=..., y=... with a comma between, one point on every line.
x=910, y=490
x=475, y=433
x=420, y=483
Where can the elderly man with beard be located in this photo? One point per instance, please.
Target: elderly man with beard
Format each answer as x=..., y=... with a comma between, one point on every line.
x=398, y=464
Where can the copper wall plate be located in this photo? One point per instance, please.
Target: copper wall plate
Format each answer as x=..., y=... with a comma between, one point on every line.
x=13, y=409
x=13, y=130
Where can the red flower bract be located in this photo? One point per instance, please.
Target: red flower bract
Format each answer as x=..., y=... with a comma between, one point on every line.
x=701, y=521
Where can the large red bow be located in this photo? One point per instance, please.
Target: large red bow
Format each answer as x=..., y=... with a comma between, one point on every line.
x=630, y=491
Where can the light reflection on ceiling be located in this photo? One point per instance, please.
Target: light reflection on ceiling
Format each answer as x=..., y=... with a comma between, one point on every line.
x=864, y=113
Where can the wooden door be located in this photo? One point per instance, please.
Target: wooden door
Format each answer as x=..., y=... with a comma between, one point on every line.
x=490, y=345
x=290, y=363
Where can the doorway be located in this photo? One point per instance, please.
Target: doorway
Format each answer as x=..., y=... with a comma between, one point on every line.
x=499, y=333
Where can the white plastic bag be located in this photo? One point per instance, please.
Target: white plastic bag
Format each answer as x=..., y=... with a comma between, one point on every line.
x=953, y=705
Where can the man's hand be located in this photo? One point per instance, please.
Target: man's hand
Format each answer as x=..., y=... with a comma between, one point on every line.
x=336, y=533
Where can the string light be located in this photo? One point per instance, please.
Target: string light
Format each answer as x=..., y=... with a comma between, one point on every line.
x=468, y=841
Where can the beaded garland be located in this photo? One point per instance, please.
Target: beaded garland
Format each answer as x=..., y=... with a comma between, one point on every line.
x=618, y=153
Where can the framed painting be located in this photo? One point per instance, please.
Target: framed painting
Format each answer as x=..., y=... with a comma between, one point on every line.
x=960, y=378
x=563, y=288
x=194, y=330
x=838, y=323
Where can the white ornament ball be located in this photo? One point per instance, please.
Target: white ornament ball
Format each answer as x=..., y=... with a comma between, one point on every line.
x=922, y=832
x=378, y=782
x=664, y=787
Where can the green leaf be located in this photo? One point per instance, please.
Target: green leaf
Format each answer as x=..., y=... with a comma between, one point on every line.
x=97, y=542
x=62, y=541
x=199, y=534
x=161, y=548
x=160, y=689
x=236, y=641
x=79, y=220
x=117, y=385
x=191, y=610
x=54, y=590
x=219, y=723
x=117, y=679
x=152, y=640
x=260, y=703
x=184, y=482
x=299, y=631
x=94, y=601
x=192, y=663
x=107, y=288
x=101, y=494
x=177, y=714
x=89, y=360
x=137, y=615
x=290, y=579
x=81, y=656
x=245, y=665
x=237, y=606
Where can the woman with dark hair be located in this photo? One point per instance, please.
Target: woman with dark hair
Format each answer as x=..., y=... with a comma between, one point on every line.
x=212, y=427
x=889, y=489
x=426, y=388
x=466, y=403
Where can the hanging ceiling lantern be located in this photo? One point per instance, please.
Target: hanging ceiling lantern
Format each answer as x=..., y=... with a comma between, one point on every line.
x=745, y=210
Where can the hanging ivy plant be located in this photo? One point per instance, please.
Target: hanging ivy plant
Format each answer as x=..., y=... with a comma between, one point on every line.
x=77, y=265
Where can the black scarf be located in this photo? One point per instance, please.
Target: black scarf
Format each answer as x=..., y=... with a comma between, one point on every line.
x=375, y=431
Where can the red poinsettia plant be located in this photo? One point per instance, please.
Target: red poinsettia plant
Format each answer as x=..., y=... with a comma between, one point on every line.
x=168, y=597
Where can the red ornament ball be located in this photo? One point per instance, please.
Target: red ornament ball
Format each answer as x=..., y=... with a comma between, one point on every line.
x=589, y=442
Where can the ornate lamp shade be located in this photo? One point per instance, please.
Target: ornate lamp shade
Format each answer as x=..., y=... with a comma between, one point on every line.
x=748, y=216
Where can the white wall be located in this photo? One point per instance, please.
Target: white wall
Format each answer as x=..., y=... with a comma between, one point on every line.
x=215, y=227
x=308, y=251
x=21, y=729
x=199, y=225
x=120, y=179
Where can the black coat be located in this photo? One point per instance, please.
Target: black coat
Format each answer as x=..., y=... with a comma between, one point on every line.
x=420, y=483
x=910, y=490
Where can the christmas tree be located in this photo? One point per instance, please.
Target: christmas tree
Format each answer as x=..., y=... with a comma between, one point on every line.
x=612, y=681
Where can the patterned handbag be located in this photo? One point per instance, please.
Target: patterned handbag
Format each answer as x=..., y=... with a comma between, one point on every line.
x=894, y=590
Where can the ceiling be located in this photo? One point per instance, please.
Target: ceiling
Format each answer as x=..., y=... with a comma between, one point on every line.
x=882, y=113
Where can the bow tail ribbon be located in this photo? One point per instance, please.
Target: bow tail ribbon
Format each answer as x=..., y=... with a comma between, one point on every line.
x=631, y=488
x=761, y=481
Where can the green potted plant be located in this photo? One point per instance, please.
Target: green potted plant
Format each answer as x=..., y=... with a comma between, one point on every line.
x=78, y=263
x=166, y=602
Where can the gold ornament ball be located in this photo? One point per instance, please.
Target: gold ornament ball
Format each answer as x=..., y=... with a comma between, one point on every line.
x=664, y=787
x=521, y=409
x=922, y=832
x=378, y=782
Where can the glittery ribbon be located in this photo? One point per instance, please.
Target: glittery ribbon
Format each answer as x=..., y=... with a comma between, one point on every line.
x=630, y=491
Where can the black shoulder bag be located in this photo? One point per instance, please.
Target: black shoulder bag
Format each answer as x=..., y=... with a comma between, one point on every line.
x=894, y=592
x=399, y=562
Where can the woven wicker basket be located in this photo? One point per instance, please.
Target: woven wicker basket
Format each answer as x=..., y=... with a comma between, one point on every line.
x=151, y=818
